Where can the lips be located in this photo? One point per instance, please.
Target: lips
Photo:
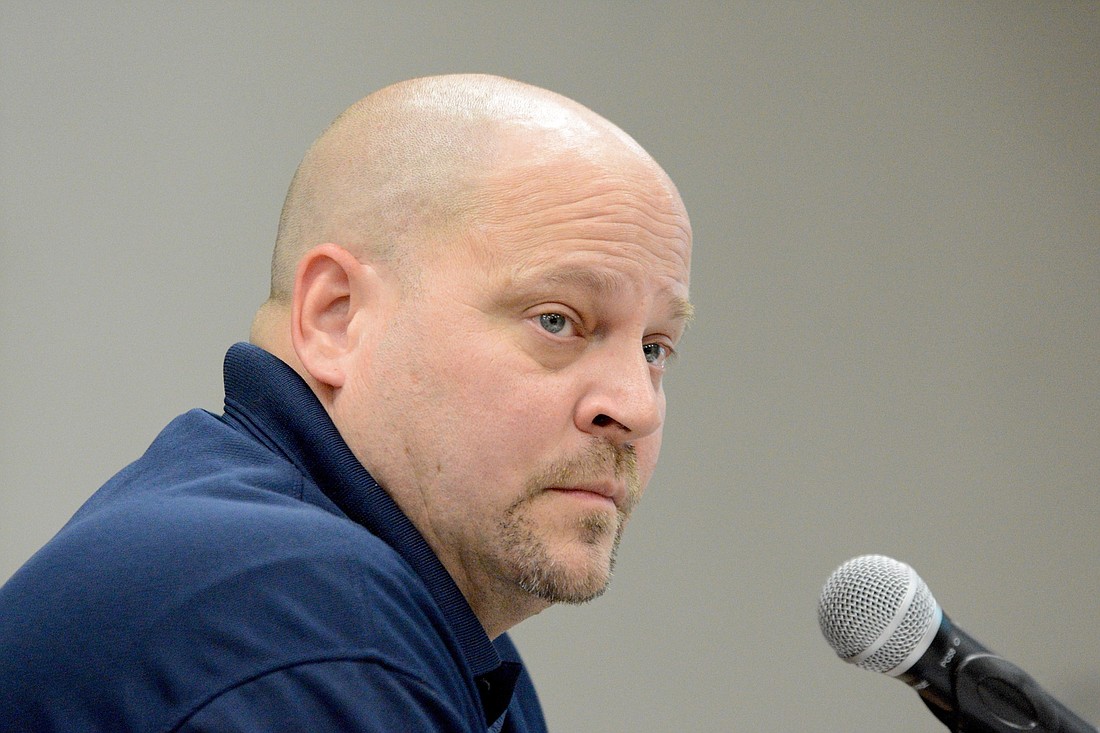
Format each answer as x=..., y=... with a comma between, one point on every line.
x=614, y=491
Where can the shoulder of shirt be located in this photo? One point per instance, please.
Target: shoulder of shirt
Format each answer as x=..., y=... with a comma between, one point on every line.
x=201, y=510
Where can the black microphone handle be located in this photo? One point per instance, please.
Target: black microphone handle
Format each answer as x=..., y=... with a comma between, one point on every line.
x=971, y=690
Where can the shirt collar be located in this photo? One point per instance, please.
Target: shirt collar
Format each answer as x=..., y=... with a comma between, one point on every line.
x=267, y=398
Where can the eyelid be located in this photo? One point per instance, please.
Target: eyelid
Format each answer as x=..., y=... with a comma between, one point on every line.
x=554, y=306
x=660, y=338
x=563, y=310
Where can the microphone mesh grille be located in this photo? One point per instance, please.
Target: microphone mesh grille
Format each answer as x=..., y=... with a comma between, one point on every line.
x=863, y=598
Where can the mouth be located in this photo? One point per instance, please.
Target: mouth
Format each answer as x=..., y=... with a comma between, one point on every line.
x=612, y=493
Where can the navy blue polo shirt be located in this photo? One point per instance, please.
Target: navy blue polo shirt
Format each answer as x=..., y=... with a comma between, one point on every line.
x=247, y=574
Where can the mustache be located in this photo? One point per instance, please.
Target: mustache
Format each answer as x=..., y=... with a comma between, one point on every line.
x=597, y=462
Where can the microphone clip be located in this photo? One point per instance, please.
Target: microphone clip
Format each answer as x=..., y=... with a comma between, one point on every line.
x=995, y=696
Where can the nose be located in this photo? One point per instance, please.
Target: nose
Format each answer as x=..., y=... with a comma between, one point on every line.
x=623, y=400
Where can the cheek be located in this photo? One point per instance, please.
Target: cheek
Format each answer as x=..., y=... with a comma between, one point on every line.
x=484, y=373
x=648, y=449
x=475, y=393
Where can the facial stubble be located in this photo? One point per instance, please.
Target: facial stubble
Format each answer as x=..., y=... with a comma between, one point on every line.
x=530, y=559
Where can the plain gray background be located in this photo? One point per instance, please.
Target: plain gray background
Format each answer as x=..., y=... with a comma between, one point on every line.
x=897, y=272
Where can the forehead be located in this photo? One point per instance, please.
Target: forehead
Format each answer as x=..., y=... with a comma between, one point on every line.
x=605, y=225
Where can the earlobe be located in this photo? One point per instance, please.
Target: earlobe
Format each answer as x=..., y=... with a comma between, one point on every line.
x=323, y=308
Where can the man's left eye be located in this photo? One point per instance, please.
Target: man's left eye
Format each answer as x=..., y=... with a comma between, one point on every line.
x=656, y=354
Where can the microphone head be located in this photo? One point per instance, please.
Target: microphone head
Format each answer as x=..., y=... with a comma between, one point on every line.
x=877, y=613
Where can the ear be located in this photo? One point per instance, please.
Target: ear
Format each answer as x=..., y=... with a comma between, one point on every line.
x=325, y=304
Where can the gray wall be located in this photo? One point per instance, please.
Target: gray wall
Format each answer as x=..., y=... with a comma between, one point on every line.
x=897, y=217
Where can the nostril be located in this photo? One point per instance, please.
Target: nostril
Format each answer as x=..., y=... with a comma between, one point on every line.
x=603, y=421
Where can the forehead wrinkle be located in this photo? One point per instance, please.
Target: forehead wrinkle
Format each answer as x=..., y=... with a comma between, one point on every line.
x=608, y=204
x=647, y=241
x=573, y=185
x=601, y=281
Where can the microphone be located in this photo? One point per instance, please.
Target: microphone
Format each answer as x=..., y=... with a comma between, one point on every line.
x=878, y=614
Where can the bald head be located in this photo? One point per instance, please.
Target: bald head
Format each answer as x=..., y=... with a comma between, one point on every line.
x=482, y=282
x=408, y=165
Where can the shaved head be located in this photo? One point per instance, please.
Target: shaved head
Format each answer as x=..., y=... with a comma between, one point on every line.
x=410, y=162
x=482, y=282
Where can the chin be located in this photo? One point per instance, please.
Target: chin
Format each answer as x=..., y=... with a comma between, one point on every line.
x=559, y=584
x=573, y=569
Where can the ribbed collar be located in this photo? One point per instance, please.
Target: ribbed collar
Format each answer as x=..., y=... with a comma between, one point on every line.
x=268, y=399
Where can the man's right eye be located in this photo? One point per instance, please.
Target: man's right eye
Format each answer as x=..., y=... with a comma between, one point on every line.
x=553, y=322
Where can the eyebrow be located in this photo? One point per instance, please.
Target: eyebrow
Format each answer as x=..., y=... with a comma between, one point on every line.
x=683, y=310
x=608, y=282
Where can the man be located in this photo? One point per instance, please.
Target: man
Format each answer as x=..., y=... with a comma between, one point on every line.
x=450, y=405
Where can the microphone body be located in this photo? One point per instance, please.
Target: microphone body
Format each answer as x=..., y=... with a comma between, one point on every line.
x=878, y=614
